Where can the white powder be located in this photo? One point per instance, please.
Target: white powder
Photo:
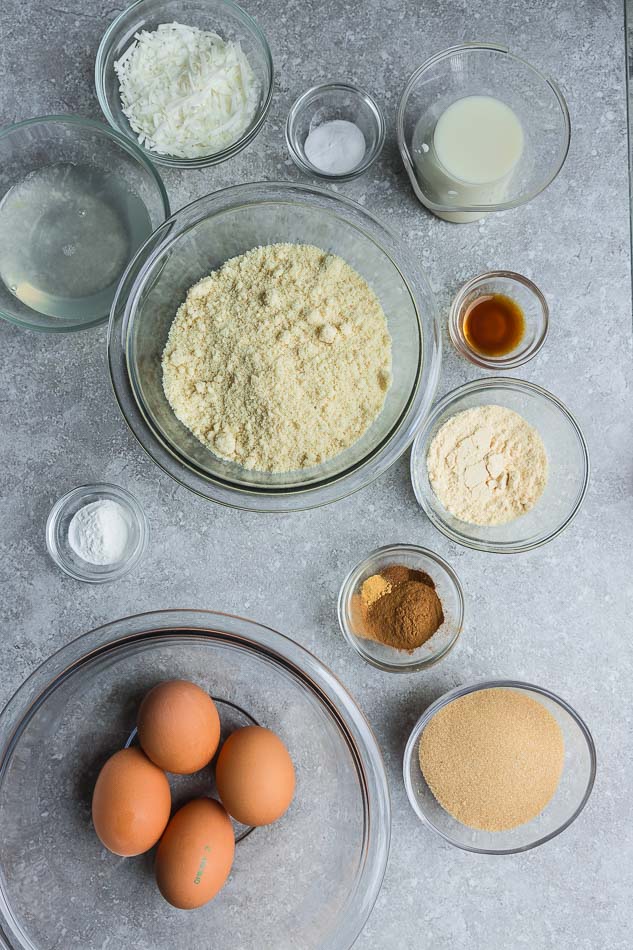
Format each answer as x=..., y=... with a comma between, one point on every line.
x=487, y=465
x=98, y=532
x=336, y=147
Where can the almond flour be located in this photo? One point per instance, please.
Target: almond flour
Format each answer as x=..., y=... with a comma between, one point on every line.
x=280, y=359
x=493, y=758
x=487, y=465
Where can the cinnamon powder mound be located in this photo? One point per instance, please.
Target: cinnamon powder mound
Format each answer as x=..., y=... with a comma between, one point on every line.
x=398, y=607
x=493, y=758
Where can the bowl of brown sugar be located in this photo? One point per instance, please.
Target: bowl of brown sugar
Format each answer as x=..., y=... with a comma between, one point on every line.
x=401, y=608
x=499, y=767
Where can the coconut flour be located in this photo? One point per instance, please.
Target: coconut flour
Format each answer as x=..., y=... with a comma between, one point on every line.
x=487, y=465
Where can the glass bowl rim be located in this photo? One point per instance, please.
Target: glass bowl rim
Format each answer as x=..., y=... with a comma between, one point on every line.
x=347, y=589
x=403, y=146
x=518, y=356
x=421, y=443
x=128, y=500
x=202, y=161
x=456, y=693
x=353, y=726
x=132, y=149
x=230, y=494
x=298, y=155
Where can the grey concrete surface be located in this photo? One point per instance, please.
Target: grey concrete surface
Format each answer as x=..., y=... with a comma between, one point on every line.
x=559, y=617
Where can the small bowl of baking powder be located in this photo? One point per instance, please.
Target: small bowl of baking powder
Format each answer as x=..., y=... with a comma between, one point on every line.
x=96, y=533
x=335, y=131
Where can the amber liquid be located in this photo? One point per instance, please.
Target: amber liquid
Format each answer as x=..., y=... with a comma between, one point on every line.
x=494, y=325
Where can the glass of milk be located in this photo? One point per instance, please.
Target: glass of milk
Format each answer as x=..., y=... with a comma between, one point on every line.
x=480, y=130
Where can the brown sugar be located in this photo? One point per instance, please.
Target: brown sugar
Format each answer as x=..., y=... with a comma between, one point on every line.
x=493, y=758
x=398, y=607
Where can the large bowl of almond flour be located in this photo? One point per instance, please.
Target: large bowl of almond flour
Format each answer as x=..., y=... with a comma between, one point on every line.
x=273, y=347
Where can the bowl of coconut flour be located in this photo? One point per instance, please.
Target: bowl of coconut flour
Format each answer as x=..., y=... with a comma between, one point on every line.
x=274, y=347
x=500, y=465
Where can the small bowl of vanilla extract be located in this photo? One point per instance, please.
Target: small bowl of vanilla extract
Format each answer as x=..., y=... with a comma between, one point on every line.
x=499, y=320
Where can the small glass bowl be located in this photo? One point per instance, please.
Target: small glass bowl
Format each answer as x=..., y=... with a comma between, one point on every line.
x=529, y=298
x=219, y=16
x=567, y=455
x=576, y=783
x=449, y=591
x=62, y=514
x=336, y=100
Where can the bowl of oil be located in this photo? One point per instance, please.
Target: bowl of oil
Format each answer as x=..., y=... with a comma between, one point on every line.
x=76, y=202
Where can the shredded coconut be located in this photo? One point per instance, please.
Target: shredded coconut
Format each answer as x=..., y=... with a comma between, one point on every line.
x=280, y=359
x=185, y=91
x=487, y=465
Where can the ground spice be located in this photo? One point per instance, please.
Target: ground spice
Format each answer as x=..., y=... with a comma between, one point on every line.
x=398, y=607
x=493, y=758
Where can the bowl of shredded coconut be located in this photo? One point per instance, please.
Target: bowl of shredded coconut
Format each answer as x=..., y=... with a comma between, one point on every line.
x=274, y=347
x=190, y=81
x=500, y=465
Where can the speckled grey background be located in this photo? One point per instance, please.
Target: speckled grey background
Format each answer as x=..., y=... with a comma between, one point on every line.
x=560, y=617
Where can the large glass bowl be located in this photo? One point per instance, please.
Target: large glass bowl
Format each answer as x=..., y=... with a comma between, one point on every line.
x=571, y=796
x=200, y=238
x=218, y=16
x=53, y=140
x=481, y=69
x=568, y=466
x=308, y=881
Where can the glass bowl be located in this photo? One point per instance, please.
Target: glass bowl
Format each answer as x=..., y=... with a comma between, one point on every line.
x=481, y=69
x=62, y=514
x=200, y=238
x=529, y=298
x=309, y=880
x=219, y=16
x=567, y=454
x=579, y=772
x=325, y=103
x=449, y=591
x=70, y=281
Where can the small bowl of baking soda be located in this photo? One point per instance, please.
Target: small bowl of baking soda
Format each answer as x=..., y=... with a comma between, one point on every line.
x=335, y=131
x=401, y=608
x=96, y=533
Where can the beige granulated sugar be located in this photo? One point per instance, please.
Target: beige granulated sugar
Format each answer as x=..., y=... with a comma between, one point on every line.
x=280, y=359
x=487, y=465
x=493, y=758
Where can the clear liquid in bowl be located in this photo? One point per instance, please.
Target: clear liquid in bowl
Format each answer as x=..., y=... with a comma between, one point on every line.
x=67, y=232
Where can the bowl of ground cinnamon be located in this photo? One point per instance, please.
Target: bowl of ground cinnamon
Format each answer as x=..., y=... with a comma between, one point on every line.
x=499, y=767
x=401, y=608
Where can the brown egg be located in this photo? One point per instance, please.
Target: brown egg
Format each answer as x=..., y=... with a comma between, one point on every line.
x=195, y=855
x=255, y=776
x=179, y=727
x=130, y=803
